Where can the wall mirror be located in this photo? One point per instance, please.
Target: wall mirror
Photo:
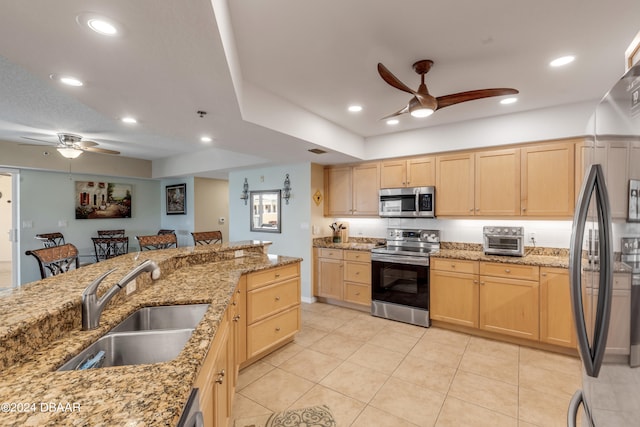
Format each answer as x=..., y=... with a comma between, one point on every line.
x=265, y=211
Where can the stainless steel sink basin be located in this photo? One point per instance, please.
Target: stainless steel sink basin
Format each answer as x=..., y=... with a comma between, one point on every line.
x=133, y=348
x=163, y=317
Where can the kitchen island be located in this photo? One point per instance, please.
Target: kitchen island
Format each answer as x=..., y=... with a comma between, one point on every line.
x=40, y=330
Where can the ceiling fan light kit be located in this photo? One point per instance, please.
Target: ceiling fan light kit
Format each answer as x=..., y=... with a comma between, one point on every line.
x=423, y=104
x=69, y=152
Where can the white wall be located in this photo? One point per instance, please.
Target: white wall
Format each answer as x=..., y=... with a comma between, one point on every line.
x=295, y=239
x=47, y=204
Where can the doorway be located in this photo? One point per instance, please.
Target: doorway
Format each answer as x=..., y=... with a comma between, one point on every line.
x=9, y=259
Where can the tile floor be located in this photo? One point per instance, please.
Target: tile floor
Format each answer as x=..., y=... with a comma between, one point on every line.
x=373, y=372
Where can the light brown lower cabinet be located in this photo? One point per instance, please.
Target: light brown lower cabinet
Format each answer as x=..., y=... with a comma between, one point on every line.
x=343, y=275
x=556, y=318
x=454, y=291
x=263, y=314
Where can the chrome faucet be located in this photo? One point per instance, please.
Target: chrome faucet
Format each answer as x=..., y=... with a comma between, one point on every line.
x=92, y=306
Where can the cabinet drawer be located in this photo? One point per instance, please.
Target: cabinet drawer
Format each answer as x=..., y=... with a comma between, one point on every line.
x=272, y=330
x=512, y=271
x=357, y=293
x=622, y=281
x=330, y=253
x=454, y=265
x=267, y=300
x=265, y=277
x=357, y=272
x=360, y=256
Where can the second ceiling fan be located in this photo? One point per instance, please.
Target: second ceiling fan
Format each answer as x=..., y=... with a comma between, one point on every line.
x=424, y=104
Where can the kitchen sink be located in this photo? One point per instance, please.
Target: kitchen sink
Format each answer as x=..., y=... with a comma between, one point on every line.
x=163, y=317
x=133, y=348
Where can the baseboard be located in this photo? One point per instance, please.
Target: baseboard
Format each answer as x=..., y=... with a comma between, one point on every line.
x=309, y=300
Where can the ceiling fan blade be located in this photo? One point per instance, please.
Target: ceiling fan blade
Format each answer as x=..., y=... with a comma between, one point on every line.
x=456, y=98
x=397, y=113
x=388, y=77
x=86, y=144
x=100, y=150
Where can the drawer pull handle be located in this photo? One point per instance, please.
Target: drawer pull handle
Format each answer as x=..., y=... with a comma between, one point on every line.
x=357, y=293
x=278, y=329
x=506, y=270
x=236, y=317
x=277, y=298
x=453, y=266
x=234, y=303
x=475, y=282
x=357, y=273
x=220, y=378
x=544, y=274
x=277, y=275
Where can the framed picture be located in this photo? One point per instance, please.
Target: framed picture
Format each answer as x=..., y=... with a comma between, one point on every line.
x=634, y=201
x=98, y=200
x=176, y=199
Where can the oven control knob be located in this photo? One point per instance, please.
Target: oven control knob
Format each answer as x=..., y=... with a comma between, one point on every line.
x=505, y=231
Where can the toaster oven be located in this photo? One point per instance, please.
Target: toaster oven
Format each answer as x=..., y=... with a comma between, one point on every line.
x=503, y=241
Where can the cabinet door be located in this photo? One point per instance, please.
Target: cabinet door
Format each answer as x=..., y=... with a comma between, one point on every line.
x=617, y=178
x=548, y=180
x=498, y=182
x=222, y=383
x=366, y=186
x=330, y=278
x=556, y=320
x=618, y=337
x=338, y=191
x=455, y=185
x=454, y=298
x=393, y=174
x=509, y=306
x=421, y=172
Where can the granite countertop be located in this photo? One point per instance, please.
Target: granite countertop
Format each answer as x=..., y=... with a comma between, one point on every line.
x=541, y=260
x=138, y=395
x=354, y=243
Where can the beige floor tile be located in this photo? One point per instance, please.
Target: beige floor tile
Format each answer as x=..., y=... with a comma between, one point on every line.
x=452, y=339
x=321, y=321
x=542, y=409
x=283, y=354
x=491, y=394
x=377, y=358
x=252, y=373
x=437, y=352
x=244, y=407
x=344, y=409
x=546, y=381
x=355, y=381
x=425, y=373
x=362, y=329
x=337, y=345
x=409, y=401
x=496, y=349
x=309, y=335
x=457, y=413
x=392, y=340
x=491, y=367
x=342, y=313
x=311, y=365
x=277, y=390
x=316, y=307
x=405, y=328
x=372, y=417
x=550, y=361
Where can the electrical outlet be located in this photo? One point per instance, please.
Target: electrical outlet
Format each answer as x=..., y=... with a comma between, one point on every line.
x=532, y=237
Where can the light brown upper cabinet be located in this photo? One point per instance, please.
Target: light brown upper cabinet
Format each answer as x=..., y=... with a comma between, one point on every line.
x=352, y=190
x=548, y=180
x=455, y=184
x=416, y=172
x=497, y=186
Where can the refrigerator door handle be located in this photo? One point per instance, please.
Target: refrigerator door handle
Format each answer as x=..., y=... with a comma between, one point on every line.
x=572, y=411
x=594, y=184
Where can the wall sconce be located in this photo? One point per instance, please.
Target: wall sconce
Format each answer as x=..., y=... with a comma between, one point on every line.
x=245, y=192
x=286, y=191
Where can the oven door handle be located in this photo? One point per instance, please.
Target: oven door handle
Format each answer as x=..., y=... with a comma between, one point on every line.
x=401, y=259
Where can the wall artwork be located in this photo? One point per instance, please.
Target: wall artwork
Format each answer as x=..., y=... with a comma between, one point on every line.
x=176, y=199
x=98, y=200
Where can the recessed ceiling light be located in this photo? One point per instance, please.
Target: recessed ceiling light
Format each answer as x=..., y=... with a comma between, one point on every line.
x=102, y=26
x=355, y=108
x=508, y=101
x=393, y=122
x=67, y=80
x=563, y=60
x=130, y=120
x=206, y=139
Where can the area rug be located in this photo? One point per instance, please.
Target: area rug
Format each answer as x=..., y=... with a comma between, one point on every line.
x=314, y=416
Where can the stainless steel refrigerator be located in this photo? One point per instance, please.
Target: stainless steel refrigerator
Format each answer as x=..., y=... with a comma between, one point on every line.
x=605, y=264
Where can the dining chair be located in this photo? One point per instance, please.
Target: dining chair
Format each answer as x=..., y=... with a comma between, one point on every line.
x=110, y=233
x=56, y=259
x=206, y=237
x=157, y=241
x=109, y=247
x=166, y=231
x=50, y=239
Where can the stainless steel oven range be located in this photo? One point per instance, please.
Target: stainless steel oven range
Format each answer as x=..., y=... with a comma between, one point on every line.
x=400, y=275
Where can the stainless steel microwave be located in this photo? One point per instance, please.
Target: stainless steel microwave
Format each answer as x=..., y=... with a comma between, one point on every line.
x=412, y=202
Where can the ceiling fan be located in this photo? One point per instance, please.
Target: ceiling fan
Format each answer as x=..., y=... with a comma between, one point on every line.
x=71, y=145
x=423, y=104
